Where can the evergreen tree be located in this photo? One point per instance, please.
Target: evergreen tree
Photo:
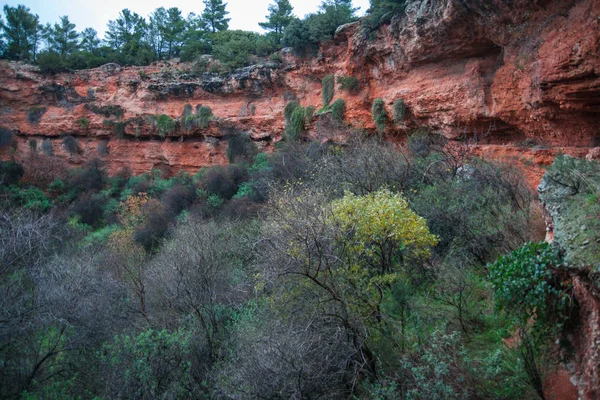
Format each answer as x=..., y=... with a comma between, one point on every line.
x=21, y=32
x=127, y=35
x=62, y=37
x=156, y=32
x=280, y=16
x=89, y=40
x=174, y=31
x=214, y=14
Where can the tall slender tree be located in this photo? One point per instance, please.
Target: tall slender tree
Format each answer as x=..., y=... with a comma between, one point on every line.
x=280, y=16
x=89, y=40
x=214, y=15
x=62, y=38
x=21, y=32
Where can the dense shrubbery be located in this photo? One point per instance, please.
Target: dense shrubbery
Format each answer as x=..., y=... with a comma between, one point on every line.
x=363, y=265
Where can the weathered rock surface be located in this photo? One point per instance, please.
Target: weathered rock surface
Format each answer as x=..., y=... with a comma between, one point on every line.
x=570, y=193
x=523, y=74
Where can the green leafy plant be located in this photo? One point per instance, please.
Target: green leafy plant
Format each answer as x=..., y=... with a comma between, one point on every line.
x=347, y=83
x=296, y=124
x=328, y=88
x=203, y=117
x=338, y=110
x=524, y=283
x=289, y=109
x=165, y=124
x=379, y=114
x=399, y=110
x=83, y=123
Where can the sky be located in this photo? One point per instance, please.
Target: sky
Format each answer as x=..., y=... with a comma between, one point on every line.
x=244, y=14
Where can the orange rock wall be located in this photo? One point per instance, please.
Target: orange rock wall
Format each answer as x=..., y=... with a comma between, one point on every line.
x=519, y=79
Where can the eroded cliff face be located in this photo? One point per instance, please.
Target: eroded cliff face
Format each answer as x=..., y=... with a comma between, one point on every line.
x=519, y=79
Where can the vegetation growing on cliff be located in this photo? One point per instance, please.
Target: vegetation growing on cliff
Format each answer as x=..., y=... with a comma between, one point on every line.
x=198, y=286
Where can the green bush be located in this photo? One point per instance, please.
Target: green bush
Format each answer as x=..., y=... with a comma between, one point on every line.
x=295, y=126
x=289, y=109
x=338, y=110
x=34, y=114
x=399, y=110
x=203, y=117
x=309, y=112
x=524, y=283
x=33, y=145
x=83, y=123
x=347, y=83
x=328, y=89
x=165, y=125
x=379, y=114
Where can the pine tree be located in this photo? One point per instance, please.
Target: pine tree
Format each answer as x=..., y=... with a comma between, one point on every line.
x=89, y=40
x=62, y=37
x=214, y=14
x=280, y=16
x=21, y=32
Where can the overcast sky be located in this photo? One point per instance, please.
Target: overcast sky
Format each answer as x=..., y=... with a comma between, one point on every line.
x=244, y=14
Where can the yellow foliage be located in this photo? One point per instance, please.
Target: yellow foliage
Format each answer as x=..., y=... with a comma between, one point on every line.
x=380, y=220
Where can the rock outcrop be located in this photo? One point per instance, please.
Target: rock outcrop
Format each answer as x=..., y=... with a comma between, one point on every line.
x=570, y=193
x=519, y=79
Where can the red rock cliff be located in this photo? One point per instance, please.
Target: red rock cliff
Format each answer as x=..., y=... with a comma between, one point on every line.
x=520, y=78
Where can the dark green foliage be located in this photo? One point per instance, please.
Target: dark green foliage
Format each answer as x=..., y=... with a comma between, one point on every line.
x=399, y=110
x=214, y=15
x=379, y=114
x=382, y=11
x=203, y=117
x=10, y=172
x=240, y=147
x=21, y=31
x=305, y=35
x=296, y=124
x=280, y=16
x=151, y=364
x=524, y=284
x=289, y=109
x=327, y=89
x=309, y=113
x=6, y=137
x=165, y=125
x=34, y=114
x=51, y=63
x=338, y=110
x=83, y=123
x=348, y=83
x=33, y=145
x=70, y=144
x=106, y=111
